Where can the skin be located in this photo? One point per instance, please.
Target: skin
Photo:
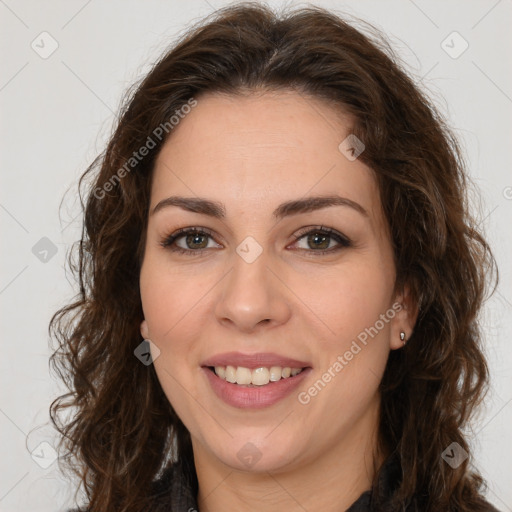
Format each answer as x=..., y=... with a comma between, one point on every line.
x=253, y=153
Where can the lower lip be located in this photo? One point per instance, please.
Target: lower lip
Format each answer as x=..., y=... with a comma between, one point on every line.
x=255, y=397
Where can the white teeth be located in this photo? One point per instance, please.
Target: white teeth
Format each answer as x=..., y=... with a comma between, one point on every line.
x=230, y=374
x=260, y=377
x=243, y=375
x=257, y=377
x=221, y=371
x=276, y=373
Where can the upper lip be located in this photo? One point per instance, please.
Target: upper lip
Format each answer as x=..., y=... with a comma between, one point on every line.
x=261, y=359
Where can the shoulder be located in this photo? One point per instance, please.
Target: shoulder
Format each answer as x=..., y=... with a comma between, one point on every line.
x=167, y=490
x=382, y=494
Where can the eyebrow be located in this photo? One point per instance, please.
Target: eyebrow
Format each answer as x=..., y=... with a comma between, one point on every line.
x=294, y=207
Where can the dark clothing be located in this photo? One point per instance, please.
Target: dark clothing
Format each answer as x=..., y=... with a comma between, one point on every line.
x=176, y=497
x=173, y=495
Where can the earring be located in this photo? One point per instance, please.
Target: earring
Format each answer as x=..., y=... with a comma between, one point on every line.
x=402, y=338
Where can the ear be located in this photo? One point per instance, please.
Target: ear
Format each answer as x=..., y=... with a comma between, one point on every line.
x=405, y=318
x=144, y=331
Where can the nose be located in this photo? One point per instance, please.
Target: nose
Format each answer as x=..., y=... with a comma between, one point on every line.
x=252, y=296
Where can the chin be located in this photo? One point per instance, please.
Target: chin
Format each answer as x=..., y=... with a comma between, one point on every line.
x=259, y=455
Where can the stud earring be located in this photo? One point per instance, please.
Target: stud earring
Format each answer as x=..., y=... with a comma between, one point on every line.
x=402, y=338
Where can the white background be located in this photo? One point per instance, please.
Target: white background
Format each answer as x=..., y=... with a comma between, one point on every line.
x=56, y=115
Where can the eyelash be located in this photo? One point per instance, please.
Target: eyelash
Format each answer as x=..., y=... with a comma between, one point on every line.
x=343, y=241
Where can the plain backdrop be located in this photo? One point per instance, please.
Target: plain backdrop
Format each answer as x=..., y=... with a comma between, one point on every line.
x=57, y=111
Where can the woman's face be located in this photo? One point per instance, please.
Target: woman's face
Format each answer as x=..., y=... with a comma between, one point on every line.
x=262, y=284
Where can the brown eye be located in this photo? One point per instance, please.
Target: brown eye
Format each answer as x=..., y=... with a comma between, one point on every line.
x=196, y=241
x=318, y=241
x=190, y=241
x=322, y=240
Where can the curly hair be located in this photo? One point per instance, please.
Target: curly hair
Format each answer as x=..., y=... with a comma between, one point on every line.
x=123, y=431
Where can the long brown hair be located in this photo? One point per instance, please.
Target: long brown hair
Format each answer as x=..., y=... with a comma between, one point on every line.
x=123, y=432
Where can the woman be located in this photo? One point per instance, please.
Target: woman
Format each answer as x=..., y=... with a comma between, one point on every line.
x=279, y=284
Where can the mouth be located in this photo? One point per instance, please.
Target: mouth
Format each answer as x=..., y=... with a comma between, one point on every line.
x=254, y=381
x=257, y=377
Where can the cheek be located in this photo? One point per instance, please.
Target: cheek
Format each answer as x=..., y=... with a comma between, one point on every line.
x=350, y=300
x=171, y=305
x=169, y=297
x=354, y=353
x=175, y=306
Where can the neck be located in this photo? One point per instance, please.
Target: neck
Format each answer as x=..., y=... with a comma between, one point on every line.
x=331, y=482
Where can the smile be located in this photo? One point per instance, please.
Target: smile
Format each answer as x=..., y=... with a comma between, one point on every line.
x=257, y=377
x=250, y=395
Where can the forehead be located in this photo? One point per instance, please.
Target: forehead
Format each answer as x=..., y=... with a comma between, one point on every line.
x=259, y=150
